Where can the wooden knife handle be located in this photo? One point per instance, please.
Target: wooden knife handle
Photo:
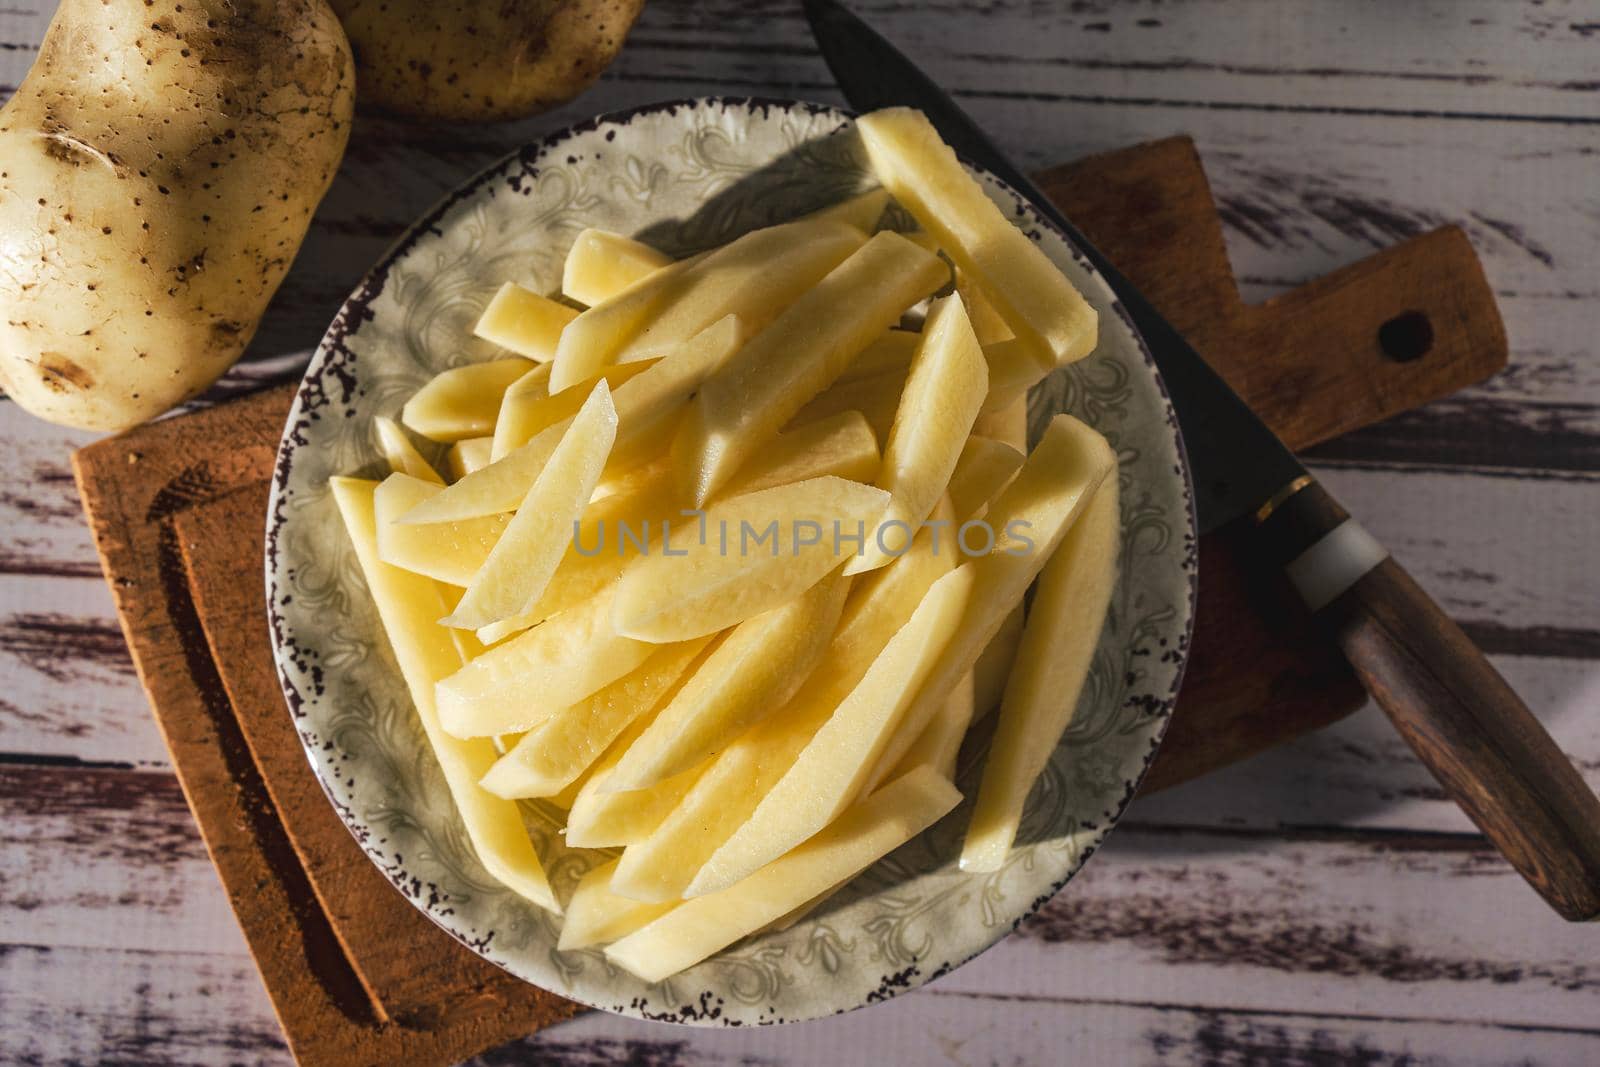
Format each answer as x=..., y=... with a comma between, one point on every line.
x=1455, y=710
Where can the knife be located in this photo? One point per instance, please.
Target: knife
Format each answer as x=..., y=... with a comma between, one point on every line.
x=1458, y=714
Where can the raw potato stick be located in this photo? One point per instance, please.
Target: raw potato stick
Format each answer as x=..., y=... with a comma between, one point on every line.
x=803, y=350
x=469, y=454
x=596, y=916
x=1046, y=496
x=843, y=445
x=758, y=551
x=402, y=455
x=860, y=837
x=754, y=277
x=599, y=265
x=828, y=774
x=518, y=684
x=407, y=606
x=601, y=819
x=464, y=401
x=1058, y=643
x=942, y=394
x=553, y=754
x=529, y=407
x=518, y=568
x=983, y=469
x=450, y=552
x=1014, y=274
x=521, y=321
x=940, y=742
x=661, y=865
x=754, y=671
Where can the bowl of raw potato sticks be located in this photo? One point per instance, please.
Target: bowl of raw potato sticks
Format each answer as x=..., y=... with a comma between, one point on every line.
x=730, y=562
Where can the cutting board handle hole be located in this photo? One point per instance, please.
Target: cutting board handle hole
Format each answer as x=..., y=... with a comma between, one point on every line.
x=1406, y=337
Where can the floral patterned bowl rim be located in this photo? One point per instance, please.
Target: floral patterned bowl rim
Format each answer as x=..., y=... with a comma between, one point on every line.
x=686, y=175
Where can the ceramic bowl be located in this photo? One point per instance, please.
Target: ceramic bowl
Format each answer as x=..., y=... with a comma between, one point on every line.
x=685, y=176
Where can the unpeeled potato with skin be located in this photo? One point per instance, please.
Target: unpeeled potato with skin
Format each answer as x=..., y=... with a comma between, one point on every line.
x=159, y=166
x=481, y=60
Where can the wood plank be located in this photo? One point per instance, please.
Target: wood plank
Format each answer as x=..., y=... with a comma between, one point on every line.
x=1445, y=56
x=70, y=686
x=1356, y=922
x=1403, y=924
x=934, y=1025
x=64, y=1004
x=105, y=859
x=1359, y=773
x=203, y=1008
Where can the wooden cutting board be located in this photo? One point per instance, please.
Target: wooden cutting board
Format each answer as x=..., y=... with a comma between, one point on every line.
x=356, y=974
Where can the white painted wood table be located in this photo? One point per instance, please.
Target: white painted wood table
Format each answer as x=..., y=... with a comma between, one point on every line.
x=1318, y=904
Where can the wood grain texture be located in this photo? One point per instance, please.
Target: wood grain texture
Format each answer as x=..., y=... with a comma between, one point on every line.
x=137, y=489
x=1321, y=925
x=415, y=975
x=1326, y=138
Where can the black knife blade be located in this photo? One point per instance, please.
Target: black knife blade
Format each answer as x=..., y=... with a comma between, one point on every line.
x=1237, y=463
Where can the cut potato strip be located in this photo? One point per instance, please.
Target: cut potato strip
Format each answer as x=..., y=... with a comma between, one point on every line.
x=610, y=533
x=890, y=352
x=660, y=866
x=600, y=265
x=401, y=454
x=754, y=277
x=529, y=408
x=468, y=455
x=554, y=753
x=502, y=485
x=842, y=444
x=1030, y=292
x=987, y=323
x=651, y=405
x=521, y=321
x=984, y=468
x=750, y=554
x=940, y=742
x=521, y=411
x=829, y=773
x=447, y=551
x=1013, y=370
x=617, y=528
x=942, y=394
x=518, y=684
x=601, y=819
x=743, y=406
x=1008, y=425
x=1058, y=644
x=407, y=606
x=756, y=668
x=591, y=341
x=866, y=833
x=462, y=402
x=993, y=667
x=597, y=916
x=1029, y=519
x=875, y=399
x=519, y=567
x=861, y=211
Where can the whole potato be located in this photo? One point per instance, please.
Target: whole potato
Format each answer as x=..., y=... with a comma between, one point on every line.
x=158, y=169
x=477, y=61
